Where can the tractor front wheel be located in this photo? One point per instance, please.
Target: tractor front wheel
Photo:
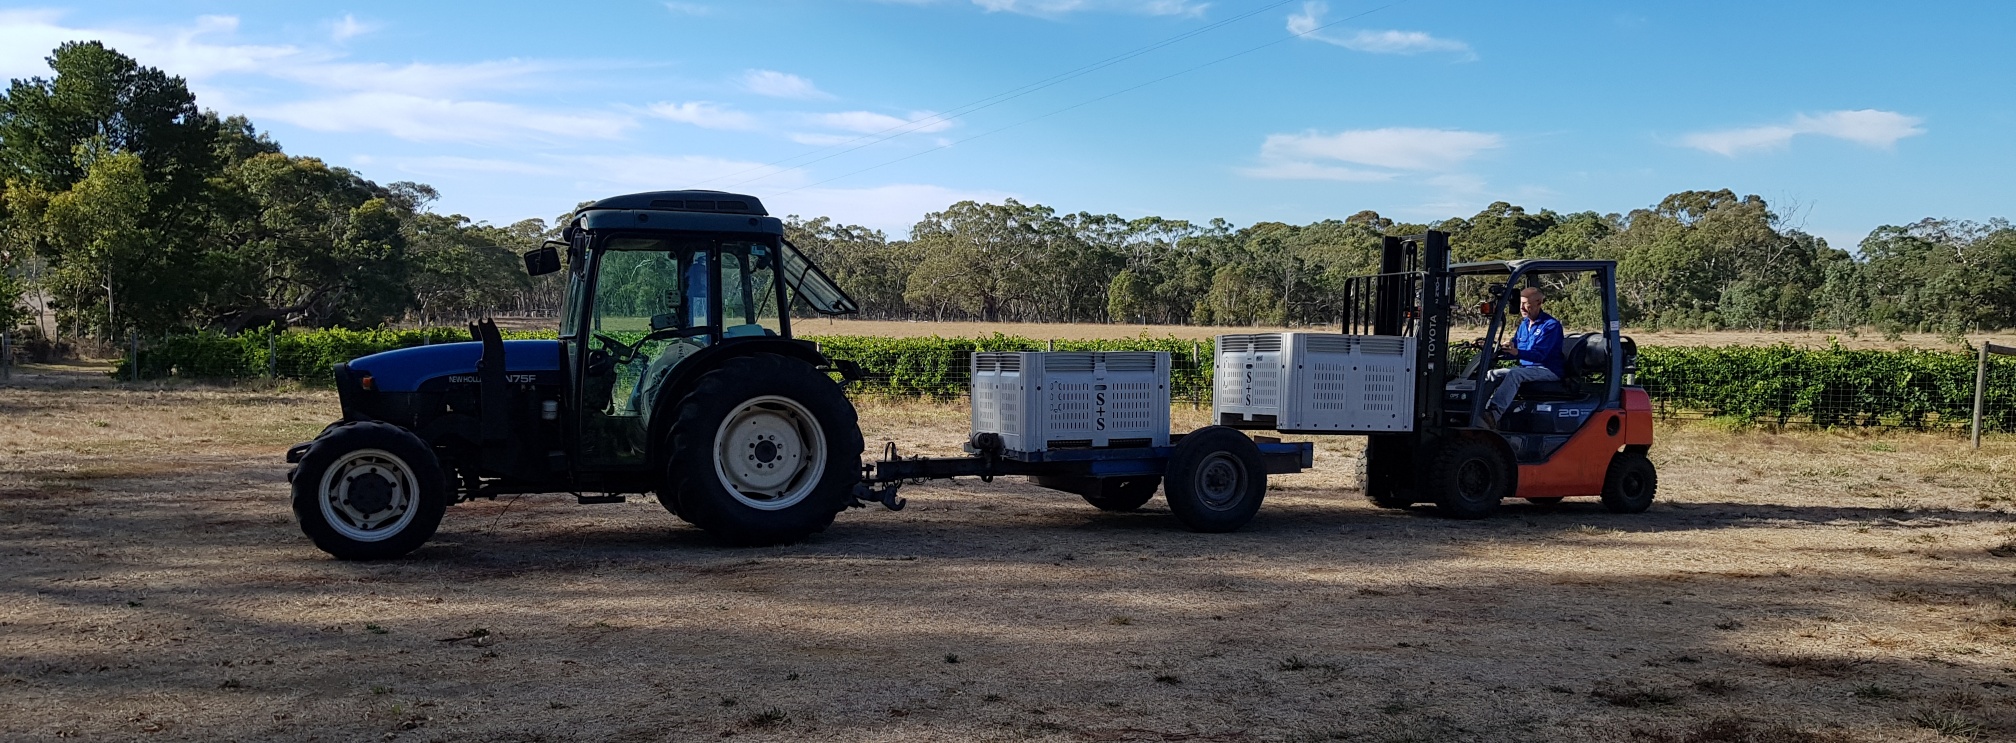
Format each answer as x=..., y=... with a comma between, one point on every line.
x=369, y=491
x=765, y=451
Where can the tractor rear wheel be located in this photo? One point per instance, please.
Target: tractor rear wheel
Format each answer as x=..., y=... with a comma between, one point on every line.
x=1106, y=493
x=369, y=491
x=1216, y=480
x=765, y=451
x=1630, y=484
x=1468, y=478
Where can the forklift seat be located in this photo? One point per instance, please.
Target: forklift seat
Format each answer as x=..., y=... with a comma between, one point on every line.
x=1581, y=354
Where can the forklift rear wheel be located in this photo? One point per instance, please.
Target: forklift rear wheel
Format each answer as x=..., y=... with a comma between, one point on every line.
x=1216, y=480
x=1468, y=478
x=1630, y=483
x=765, y=451
x=1106, y=493
x=369, y=491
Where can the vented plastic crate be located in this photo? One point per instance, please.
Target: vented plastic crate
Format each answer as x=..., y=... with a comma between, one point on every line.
x=1067, y=400
x=1315, y=382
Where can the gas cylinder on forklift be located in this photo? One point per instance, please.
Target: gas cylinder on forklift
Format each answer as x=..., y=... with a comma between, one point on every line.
x=1585, y=435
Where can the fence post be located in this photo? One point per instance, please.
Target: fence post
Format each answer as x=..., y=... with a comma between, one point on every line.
x=133, y=337
x=6, y=357
x=272, y=361
x=1050, y=345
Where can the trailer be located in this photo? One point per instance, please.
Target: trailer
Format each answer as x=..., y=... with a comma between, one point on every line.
x=1097, y=424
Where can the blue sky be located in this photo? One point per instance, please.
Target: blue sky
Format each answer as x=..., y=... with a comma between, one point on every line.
x=1844, y=115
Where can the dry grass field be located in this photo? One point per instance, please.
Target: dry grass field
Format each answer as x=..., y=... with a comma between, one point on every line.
x=1800, y=587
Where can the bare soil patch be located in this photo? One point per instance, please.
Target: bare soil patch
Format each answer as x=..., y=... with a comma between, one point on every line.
x=1786, y=587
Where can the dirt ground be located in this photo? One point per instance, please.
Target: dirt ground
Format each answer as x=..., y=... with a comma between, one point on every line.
x=1787, y=587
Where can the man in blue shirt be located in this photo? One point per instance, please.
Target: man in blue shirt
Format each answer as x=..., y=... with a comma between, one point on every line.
x=1537, y=347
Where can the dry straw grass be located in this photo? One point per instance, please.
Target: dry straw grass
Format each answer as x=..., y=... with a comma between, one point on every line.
x=1798, y=587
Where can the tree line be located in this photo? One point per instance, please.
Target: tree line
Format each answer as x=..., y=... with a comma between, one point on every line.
x=124, y=206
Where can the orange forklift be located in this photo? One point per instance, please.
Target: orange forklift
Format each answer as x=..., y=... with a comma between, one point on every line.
x=1584, y=436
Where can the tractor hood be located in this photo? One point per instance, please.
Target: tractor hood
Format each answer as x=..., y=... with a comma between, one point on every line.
x=405, y=369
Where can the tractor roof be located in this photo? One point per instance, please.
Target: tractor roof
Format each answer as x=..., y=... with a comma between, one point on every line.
x=718, y=202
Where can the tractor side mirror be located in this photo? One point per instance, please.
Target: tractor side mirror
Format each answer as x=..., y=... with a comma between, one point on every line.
x=543, y=261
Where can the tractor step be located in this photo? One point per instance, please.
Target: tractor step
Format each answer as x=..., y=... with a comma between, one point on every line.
x=604, y=498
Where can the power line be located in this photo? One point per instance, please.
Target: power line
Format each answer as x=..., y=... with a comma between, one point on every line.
x=988, y=102
x=1123, y=91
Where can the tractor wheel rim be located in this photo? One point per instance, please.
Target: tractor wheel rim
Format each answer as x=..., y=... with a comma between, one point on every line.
x=769, y=453
x=1473, y=479
x=369, y=495
x=1221, y=481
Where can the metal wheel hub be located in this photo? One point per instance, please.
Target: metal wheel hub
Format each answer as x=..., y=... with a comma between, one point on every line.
x=369, y=495
x=769, y=453
x=1221, y=481
x=1473, y=479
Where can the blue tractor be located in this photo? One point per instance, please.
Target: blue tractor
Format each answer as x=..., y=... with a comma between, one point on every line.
x=674, y=373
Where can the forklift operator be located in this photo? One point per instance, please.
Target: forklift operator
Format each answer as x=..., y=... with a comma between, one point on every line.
x=1537, y=347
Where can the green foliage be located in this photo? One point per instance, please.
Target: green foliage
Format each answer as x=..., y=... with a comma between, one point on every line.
x=1738, y=385
x=1828, y=387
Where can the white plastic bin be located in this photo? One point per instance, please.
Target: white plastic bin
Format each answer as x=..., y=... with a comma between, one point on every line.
x=1071, y=399
x=1315, y=382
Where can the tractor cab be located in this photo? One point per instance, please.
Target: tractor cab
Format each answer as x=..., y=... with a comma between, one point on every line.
x=657, y=284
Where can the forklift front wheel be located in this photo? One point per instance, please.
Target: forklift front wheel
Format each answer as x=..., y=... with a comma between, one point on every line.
x=1216, y=480
x=1469, y=478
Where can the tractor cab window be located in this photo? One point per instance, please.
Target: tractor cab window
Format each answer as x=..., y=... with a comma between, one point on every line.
x=749, y=300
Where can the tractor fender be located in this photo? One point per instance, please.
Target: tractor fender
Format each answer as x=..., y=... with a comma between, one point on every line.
x=688, y=373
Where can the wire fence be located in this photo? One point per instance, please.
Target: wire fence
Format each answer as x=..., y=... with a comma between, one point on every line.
x=1767, y=385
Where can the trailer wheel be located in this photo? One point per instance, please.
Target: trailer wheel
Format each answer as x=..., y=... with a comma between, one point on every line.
x=369, y=491
x=1216, y=480
x=1105, y=493
x=1630, y=484
x=1468, y=478
x=765, y=451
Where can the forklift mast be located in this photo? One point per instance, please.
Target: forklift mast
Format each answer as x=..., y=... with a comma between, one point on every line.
x=1410, y=296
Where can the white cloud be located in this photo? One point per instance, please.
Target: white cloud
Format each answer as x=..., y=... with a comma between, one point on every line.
x=1394, y=148
x=424, y=119
x=821, y=140
x=1308, y=171
x=693, y=9
x=1052, y=8
x=419, y=78
x=28, y=36
x=704, y=114
x=781, y=85
x=1869, y=127
x=1309, y=24
x=869, y=122
x=348, y=27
